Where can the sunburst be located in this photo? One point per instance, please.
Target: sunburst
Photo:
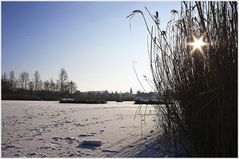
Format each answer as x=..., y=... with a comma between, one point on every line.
x=198, y=44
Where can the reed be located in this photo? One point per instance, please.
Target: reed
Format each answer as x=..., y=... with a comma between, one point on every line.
x=202, y=86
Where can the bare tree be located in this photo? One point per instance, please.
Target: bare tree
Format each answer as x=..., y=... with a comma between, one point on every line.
x=17, y=84
x=40, y=85
x=12, y=80
x=52, y=86
x=4, y=76
x=23, y=80
x=5, y=82
x=63, y=77
x=57, y=85
x=36, y=81
x=26, y=80
x=72, y=87
x=31, y=86
x=47, y=85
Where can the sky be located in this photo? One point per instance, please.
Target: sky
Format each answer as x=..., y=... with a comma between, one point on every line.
x=91, y=40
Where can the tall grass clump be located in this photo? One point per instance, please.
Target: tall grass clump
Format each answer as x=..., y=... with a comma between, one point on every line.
x=198, y=87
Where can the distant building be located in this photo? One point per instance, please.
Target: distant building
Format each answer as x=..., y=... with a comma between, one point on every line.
x=131, y=91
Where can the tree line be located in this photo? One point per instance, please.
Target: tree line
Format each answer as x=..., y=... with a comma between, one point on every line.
x=27, y=87
x=27, y=84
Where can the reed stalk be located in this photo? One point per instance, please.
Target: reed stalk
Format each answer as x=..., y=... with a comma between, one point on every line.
x=199, y=89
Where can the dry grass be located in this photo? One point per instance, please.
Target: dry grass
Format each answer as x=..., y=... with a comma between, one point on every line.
x=202, y=86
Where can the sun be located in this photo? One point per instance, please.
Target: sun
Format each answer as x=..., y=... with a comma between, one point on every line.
x=197, y=44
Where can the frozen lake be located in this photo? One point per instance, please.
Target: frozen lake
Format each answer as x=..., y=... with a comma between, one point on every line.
x=52, y=129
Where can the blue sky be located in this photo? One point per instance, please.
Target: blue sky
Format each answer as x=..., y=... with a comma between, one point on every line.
x=91, y=40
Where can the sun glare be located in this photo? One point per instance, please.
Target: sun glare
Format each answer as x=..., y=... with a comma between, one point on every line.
x=198, y=44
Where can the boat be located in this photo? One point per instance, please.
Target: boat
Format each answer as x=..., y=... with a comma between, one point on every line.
x=67, y=100
x=72, y=100
x=141, y=100
x=148, y=102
